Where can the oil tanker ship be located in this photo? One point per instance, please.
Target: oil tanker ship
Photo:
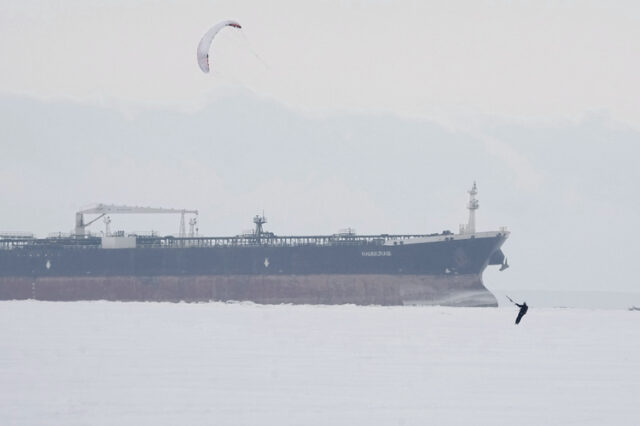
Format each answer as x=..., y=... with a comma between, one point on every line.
x=258, y=266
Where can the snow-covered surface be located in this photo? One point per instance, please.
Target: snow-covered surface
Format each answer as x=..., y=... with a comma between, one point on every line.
x=103, y=363
x=569, y=299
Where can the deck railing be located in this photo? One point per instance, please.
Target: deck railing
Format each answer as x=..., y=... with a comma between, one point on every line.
x=236, y=241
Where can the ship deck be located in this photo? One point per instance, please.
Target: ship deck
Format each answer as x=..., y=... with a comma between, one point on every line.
x=234, y=241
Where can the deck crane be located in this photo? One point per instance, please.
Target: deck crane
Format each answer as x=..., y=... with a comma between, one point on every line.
x=103, y=209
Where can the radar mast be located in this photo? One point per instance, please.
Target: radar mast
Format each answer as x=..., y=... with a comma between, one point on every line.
x=473, y=205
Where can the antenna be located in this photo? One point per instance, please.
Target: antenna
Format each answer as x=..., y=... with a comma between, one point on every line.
x=259, y=221
x=473, y=205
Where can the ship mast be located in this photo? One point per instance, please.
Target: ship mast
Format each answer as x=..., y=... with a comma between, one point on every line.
x=259, y=221
x=473, y=205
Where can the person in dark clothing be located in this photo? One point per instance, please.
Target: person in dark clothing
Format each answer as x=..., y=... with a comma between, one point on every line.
x=523, y=310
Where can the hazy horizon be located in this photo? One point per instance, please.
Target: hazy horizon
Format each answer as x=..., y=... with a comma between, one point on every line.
x=376, y=116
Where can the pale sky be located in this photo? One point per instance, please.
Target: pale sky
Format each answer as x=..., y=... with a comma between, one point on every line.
x=534, y=60
x=377, y=115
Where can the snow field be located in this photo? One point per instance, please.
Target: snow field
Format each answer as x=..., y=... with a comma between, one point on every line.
x=105, y=363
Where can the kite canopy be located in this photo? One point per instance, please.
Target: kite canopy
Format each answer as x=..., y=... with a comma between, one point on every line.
x=207, y=39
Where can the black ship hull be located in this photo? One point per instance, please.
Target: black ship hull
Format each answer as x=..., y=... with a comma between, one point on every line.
x=440, y=270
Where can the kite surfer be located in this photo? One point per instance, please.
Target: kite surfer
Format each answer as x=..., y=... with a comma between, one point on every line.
x=523, y=309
